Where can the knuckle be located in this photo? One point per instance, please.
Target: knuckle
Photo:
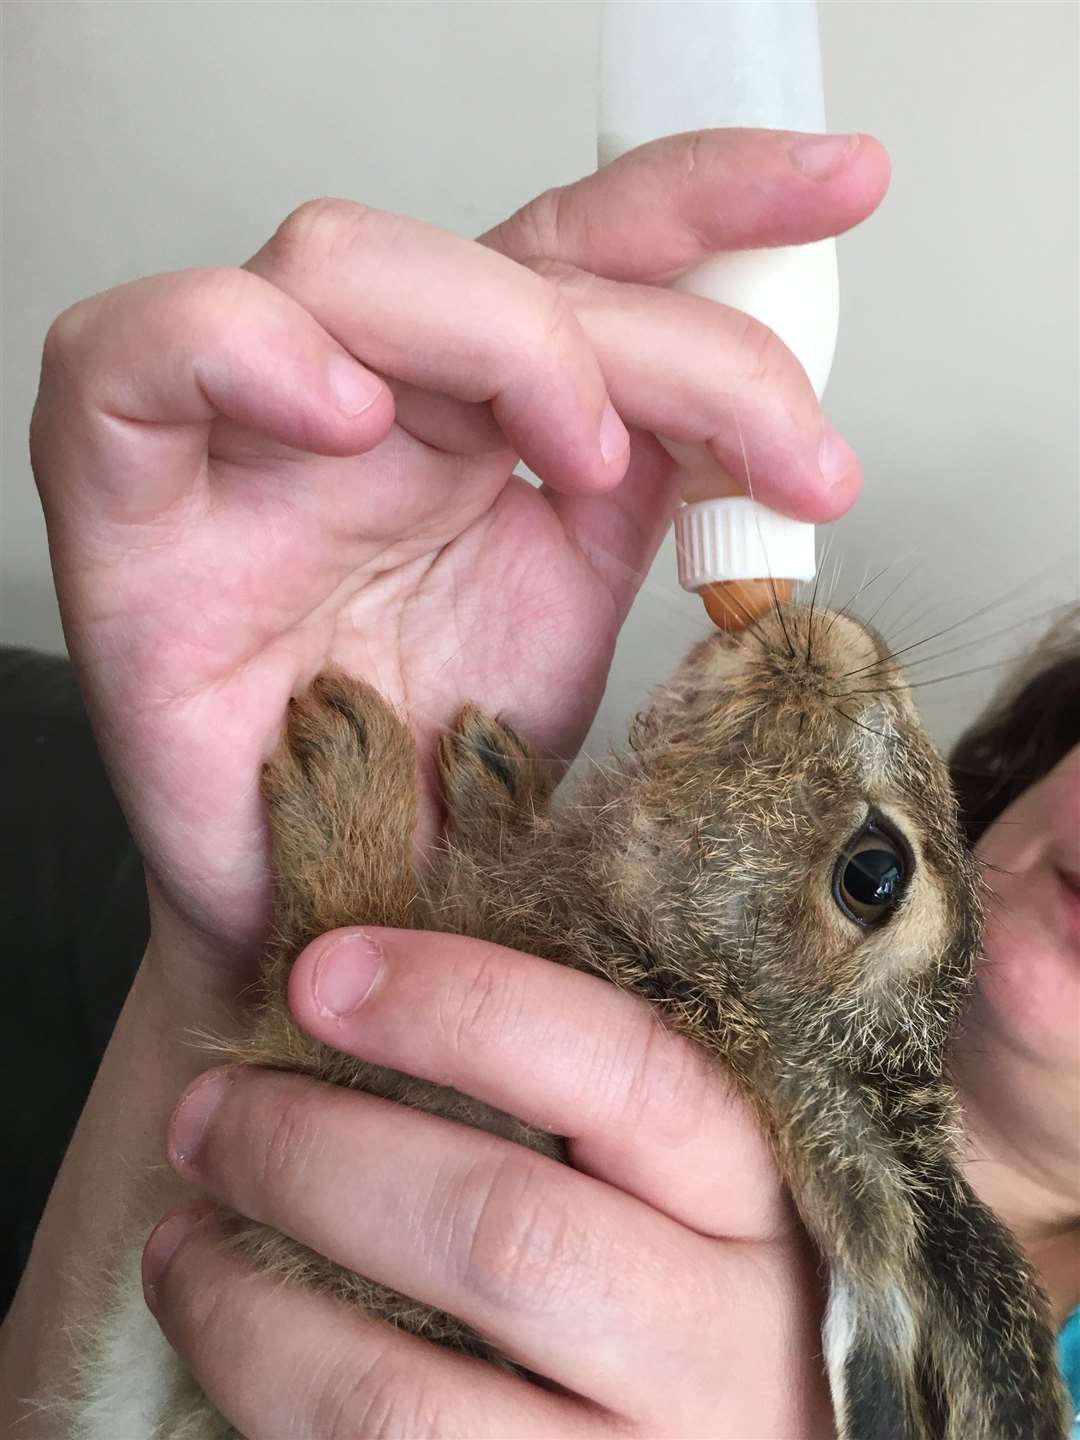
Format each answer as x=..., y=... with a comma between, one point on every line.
x=378, y=1400
x=545, y=322
x=214, y=290
x=206, y=1307
x=282, y=1145
x=484, y=1009
x=64, y=337
x=540, y=225
x=663, y=1086
x=518, y=1244
x=96, y=333
x=318, y=230
x=692, y=151
x=557, y=321
x=577, y=287
x=762, y=355
x=558, y=272
x=192, y=305
x=312, y=227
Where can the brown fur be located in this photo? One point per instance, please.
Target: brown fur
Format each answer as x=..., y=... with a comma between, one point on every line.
x=698, y=873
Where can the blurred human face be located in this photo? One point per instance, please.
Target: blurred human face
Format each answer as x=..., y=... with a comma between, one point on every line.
x=1029, y=989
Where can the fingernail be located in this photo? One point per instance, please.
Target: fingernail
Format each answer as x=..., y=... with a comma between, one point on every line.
x=820, y=156
x=354, y=388
x=835, y=456
x=614, y=440
x=193, y=1115
x=165, y=1241
x=345, y=974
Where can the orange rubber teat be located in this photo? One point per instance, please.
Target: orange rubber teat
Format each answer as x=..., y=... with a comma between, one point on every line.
x=735, y=604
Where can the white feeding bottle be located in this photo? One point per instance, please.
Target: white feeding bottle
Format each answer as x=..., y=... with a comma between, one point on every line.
x=680, y=65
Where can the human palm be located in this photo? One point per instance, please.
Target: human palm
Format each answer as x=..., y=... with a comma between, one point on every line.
x=234, y=501
x=212, y=627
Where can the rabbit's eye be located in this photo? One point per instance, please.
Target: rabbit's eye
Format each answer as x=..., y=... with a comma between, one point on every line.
x=871, y=874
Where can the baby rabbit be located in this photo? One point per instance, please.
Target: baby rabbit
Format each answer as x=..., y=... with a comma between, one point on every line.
x=777, y=867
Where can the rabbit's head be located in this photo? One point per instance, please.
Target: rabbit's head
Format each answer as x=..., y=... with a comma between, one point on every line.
x=792, y=829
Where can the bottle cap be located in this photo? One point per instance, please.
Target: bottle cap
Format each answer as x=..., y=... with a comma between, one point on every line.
x=735, y=538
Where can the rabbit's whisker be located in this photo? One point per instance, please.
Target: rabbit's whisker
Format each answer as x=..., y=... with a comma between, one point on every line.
x=896, y=588
x=846, y=608
x=1041, y=615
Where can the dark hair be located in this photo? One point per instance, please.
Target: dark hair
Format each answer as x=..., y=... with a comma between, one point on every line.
x=1029, y=726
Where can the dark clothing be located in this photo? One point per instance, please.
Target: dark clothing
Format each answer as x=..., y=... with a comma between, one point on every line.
x=74, y=916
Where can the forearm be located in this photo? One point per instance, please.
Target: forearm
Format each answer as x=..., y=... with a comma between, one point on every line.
x=112, y=1184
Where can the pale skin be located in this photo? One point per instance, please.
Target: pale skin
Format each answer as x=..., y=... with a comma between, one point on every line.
x=1018, y=1063
x=221, y=529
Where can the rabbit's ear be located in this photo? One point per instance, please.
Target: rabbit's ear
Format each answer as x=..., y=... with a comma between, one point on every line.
x=870, y=1356
x=998, y=1375
x=695, y=701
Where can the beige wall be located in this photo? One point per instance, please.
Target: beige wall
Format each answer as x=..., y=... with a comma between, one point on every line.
x=141, y=137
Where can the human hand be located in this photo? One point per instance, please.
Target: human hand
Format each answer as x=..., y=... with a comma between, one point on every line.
x=662, y=1286
x=234, y=501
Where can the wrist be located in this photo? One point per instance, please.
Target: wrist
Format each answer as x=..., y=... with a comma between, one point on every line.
x=193, y=967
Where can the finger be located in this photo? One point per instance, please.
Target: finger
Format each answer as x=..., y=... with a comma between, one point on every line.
x=703, y=373
x=443, y=423
x=619, y=534
x=282, y=1356
x=444, y=313
x=570, y=1277
x=569, y=1053
x=663, y=207
x=132, y=380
